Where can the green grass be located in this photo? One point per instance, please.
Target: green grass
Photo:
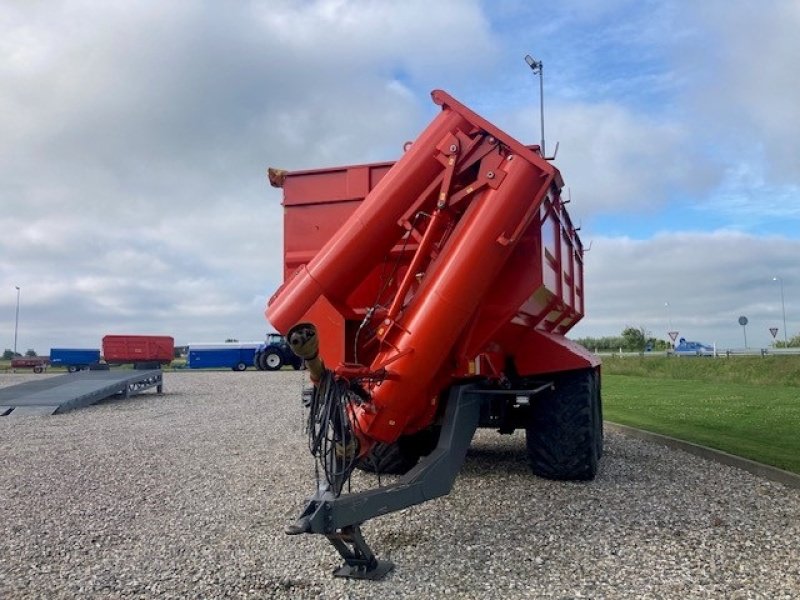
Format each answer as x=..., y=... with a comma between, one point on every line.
x=748, y=407
x=770, y=370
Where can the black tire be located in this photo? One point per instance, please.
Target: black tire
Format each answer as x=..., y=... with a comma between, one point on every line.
x=38, y=369
x=598, y=403
x=240, y=367
x=387, y=459
x=257, y=361
x=564, y=436
x=72, y=368
x=400, y=457
x=272, y=360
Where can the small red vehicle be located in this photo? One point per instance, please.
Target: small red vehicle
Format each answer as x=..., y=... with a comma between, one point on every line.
x=37, y=363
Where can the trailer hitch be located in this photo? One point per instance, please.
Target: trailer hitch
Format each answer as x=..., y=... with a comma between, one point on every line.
x=339, y=517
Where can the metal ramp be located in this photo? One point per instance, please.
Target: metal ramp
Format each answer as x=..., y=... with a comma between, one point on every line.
x=53, y=395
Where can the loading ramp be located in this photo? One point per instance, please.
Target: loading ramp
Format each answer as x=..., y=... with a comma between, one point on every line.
x=62, y=393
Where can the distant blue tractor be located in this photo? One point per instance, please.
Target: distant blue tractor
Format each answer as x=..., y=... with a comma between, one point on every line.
x=274, y=353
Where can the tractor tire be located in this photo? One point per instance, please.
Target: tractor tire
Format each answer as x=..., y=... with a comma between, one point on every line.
x=272, y=360
x=257, y=361
x=387, y=459
x=598, y=404
x=564, y=436
x=401, y=456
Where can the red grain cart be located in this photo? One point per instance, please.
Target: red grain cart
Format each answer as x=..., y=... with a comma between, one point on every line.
x=438, y=291
x=125, y=349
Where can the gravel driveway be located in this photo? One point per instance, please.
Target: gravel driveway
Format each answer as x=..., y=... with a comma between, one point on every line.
x=186, y=495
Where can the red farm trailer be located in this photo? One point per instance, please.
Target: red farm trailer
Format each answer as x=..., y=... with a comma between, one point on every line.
x=37, y=363
x=429, y=297
x=138, y=349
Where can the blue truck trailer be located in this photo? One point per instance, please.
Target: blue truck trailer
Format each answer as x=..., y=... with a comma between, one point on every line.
x=236, y=356
x=74, y=359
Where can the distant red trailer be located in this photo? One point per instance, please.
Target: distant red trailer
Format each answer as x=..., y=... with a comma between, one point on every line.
x=121, y=349
x=37, y=363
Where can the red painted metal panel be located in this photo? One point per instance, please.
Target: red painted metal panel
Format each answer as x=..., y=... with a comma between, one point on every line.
x=119, y=349
x=332, y=185
x=371, y=231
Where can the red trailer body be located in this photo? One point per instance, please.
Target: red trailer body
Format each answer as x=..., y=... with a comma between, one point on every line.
x=122, y=349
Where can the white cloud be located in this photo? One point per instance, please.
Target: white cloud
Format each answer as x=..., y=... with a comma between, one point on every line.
x=135, y=138
x=745, y=80
x=616, y=159
x=708, y=279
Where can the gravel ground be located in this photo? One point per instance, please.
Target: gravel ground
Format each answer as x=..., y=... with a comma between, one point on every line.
x=186, y=495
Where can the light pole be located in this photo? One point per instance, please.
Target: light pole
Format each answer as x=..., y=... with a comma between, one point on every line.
x=16, y=323
x=537, y=67
x=669, y=320
x=783, y=308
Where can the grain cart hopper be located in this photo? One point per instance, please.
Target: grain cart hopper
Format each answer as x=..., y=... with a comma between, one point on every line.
x=429, y=297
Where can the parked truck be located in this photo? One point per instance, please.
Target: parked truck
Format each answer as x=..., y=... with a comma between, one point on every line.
x=233, y=355
x=145, y=351
x=74, y=359
x=429, y=297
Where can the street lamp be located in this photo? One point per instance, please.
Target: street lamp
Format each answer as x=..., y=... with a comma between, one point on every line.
x=16, y=323
x=537, y=67
x=783, y=308
x=669, y=322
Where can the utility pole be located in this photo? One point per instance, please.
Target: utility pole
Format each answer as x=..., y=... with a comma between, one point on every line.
x=16, y=323
x=783, y=308
x=538, y=69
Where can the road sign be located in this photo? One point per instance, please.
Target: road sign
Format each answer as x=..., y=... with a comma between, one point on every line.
x=673, y=335
x=773, y=331
x=742, y=321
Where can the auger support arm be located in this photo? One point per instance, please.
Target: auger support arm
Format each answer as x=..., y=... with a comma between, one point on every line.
x=434, y=476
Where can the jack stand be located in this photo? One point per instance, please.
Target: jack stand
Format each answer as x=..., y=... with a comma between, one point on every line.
x=359, y=560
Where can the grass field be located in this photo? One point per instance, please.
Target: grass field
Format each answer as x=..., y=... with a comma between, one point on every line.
x=748, y=406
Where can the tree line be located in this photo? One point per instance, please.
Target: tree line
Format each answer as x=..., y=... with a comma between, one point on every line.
x=638, y=339
x=793, y=342
x=632, y=339
x=9, y=354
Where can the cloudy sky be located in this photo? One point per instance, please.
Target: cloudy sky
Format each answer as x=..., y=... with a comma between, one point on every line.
x=134, y=138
